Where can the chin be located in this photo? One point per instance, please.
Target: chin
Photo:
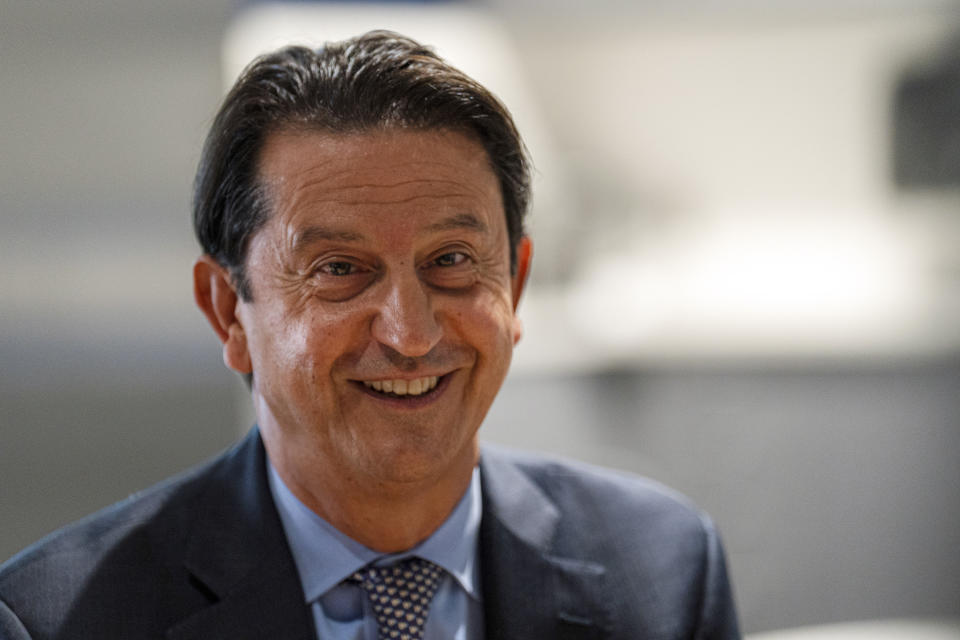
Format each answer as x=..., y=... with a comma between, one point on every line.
x=415, y=460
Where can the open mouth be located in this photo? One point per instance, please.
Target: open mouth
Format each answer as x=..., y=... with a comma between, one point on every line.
x=398, y=388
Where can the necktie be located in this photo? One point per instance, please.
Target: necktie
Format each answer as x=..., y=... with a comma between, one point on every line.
x=400, y=595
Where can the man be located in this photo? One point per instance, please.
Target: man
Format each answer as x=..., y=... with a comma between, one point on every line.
x=360, y=209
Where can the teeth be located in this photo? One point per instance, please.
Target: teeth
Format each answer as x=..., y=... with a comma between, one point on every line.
x=403, y=387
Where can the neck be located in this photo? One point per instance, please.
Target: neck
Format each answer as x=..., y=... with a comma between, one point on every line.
x=384, y=514
x=392, y=521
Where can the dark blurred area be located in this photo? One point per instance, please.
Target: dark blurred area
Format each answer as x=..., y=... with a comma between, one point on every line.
x=926, y=130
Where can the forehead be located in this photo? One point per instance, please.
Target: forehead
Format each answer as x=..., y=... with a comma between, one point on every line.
x=310, y=173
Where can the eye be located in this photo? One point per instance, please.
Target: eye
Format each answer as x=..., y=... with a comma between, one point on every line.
x=340, y=278
x=451, y=259
x=450, y=270
x=338, y=268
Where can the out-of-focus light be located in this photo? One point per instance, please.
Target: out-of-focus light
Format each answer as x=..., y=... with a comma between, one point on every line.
x=894, y=629
x=797, y=275
x=750, y=286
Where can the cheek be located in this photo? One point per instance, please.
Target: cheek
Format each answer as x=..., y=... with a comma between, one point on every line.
x=488, y=322
x=283, y=345
x=329, y=340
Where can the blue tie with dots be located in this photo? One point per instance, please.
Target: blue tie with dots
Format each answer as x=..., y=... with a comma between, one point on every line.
x=400, y=595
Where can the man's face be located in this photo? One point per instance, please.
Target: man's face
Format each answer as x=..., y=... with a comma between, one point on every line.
x=382, y=320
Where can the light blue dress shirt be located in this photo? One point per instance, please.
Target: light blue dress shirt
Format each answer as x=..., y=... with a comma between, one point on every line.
x=325, y=557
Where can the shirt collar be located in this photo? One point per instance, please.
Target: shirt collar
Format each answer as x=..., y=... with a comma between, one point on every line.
x=325, y=556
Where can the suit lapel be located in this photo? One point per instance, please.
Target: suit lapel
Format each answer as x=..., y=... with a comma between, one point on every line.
x=529, y=591
x=237, y=553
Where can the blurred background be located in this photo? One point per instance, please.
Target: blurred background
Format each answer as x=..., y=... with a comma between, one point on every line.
x=746, y=284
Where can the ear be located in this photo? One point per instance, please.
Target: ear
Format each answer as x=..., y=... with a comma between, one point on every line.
x=216, y=296
x=524, y=255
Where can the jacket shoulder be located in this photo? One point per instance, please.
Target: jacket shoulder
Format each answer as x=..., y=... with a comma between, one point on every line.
x=660, y=556
x=124, y=550
x=584, y=491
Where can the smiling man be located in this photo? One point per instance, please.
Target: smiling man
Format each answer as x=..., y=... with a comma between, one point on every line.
x=379, y=325
x=360, y=209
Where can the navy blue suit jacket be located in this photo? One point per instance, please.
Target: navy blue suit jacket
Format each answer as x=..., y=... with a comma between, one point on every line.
x=567, y=552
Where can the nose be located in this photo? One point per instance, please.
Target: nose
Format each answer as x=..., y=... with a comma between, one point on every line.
x=406, y=321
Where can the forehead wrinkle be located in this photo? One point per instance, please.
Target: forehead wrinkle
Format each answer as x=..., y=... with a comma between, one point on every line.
x=319, y=176
x=457, y=188
x=363, y=201
x=367, y=194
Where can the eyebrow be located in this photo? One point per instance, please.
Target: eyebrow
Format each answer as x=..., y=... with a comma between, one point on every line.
x=309, y=235
x=459, y=221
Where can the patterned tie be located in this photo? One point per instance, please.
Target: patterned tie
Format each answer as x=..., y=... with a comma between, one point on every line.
x=401, y=596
